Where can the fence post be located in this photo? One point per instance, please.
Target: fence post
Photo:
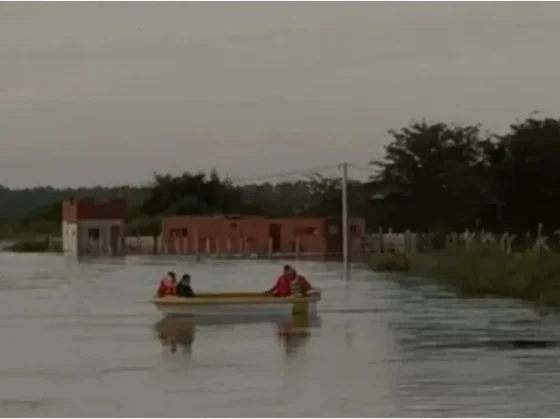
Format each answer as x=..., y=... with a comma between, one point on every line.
x=503, y=241
x=510, y=240
x=468, y=237
x=407, y=242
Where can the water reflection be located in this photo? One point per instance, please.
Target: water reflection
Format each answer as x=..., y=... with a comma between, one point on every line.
x=294, y=333
x=178, y=333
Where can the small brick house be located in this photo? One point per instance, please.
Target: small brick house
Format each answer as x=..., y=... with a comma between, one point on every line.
x=93, y=227
x=259, y=235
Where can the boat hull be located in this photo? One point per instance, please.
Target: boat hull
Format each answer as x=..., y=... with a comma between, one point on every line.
x=237, y=304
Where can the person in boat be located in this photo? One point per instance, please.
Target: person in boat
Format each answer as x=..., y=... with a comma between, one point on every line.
x=167, y=285
x=184, y=287
x=299, y=285
x=281, y=287
x=289, y=283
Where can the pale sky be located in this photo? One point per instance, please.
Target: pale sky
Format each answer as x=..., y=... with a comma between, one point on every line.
x=107, y=93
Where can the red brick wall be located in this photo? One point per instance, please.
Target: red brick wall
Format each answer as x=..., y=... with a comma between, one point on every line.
x=357, y=226
x=309, y=231
x=89, y=209
x=69, y=211
x=312, y=233
x=250, y=234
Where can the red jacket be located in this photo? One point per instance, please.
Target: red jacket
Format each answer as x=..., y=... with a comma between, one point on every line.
x=282, y=286
x=166, y=287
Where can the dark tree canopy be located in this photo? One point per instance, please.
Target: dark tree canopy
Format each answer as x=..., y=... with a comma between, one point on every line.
x=434, y=176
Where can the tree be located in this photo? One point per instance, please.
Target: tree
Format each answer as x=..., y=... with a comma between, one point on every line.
x=430, y=177
x=527, y=173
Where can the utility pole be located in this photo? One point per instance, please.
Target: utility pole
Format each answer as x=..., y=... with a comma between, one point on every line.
x=345, y=246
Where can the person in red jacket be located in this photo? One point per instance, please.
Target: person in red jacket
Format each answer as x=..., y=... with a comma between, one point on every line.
x=167, y=285
x=281, y=287
x=290, y=283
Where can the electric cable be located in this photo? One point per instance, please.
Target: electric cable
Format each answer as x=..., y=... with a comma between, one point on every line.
x=312, y=170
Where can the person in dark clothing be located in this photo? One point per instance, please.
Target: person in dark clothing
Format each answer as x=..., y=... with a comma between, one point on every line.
x=184, y=287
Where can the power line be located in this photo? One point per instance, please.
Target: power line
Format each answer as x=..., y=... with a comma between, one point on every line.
x=367, y=169
x=311, y=170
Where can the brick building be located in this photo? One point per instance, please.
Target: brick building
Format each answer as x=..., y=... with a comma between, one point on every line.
x=92, y=227
x=258, y=235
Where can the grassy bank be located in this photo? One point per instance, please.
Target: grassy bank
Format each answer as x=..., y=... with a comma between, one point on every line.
x=485, y=270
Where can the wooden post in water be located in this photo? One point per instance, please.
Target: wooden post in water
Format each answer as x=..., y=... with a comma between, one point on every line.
x=344, y=215
x=196, y=245
x=270, y=248
x=406, y=242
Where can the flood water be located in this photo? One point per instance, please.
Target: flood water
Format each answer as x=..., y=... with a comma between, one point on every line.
x=80, y=339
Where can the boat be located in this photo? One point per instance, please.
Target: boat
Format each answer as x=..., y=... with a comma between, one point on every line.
x=238, y=303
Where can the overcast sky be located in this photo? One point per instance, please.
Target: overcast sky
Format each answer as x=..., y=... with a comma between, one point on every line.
x=107, y=93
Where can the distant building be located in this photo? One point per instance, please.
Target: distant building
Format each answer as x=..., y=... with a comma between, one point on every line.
x=91, y=227
x=259, y=235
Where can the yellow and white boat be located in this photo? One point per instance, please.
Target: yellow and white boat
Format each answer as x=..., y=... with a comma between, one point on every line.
x=238, y=303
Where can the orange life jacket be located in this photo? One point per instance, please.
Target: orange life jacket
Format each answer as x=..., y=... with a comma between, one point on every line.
x=299, y=286
x=166, y=287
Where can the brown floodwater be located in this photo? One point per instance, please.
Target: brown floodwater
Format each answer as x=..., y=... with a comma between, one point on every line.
x=80, y=339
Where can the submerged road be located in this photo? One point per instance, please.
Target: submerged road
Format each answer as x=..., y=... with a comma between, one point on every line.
x=81, y=340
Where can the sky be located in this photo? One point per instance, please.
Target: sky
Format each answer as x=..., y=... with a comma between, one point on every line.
x=107, y=93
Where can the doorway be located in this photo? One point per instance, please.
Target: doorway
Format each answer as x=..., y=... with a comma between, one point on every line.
x=115, y=238
x=333, y=230
x=275, y=233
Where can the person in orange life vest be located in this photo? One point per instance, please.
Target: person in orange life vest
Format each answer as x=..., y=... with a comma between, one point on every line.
x=290, y=283
x=299, y=285
x=281, y=287
x=167, y=285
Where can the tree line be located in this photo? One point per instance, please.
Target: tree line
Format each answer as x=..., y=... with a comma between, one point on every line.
x=435, y=176
x=445, y=177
